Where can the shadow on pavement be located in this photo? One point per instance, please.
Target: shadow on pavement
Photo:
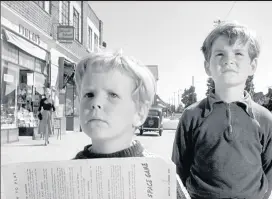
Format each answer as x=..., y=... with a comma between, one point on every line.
x=23, y=145
x=148, y=134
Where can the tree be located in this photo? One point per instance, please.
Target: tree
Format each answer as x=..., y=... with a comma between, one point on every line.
x=268, y=96
x=189, y=96
x=250, y=85
x=211, y=85
x=180, y=108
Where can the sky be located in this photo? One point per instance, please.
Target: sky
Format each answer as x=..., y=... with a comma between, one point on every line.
x=170, y=35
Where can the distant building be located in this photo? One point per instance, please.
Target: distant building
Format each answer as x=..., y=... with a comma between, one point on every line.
x=157, y=100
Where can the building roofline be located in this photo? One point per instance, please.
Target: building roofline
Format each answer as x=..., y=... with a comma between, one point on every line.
x=93, y=12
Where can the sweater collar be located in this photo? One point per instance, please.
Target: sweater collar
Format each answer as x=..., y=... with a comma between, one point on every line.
x=245, y=103
x=136, y=150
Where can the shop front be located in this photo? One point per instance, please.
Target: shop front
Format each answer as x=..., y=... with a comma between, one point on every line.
x=24, y=74
x=65, y=90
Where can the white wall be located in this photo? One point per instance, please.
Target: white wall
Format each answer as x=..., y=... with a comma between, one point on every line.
x=95, y=30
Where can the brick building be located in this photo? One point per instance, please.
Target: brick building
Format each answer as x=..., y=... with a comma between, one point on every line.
x=35, y=52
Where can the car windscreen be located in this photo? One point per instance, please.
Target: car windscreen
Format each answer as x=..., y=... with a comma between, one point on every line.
x=153, y=113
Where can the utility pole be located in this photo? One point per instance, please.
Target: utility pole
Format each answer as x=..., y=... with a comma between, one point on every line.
x=174, y=100
x=179, y=98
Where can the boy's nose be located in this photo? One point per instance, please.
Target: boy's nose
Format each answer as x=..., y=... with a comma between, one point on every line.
x=97, y=102
x=229, y=60
x=96, y=106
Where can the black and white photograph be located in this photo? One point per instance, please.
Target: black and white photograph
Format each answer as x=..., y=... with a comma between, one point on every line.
x=136, y=99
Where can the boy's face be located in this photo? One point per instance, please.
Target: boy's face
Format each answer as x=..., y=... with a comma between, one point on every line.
x=229, y=65
x=107, y=110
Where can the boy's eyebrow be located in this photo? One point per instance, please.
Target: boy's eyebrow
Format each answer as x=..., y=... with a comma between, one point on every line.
x=86, y=89
x=218, y=50
x=240, y=49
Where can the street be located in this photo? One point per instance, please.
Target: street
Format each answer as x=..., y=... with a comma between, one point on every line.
x=27, y=150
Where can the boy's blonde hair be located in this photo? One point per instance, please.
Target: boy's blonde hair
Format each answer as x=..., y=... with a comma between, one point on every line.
x=106, y=61
x=234, y=32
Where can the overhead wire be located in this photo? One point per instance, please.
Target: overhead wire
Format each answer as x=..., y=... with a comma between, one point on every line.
x=230, y=10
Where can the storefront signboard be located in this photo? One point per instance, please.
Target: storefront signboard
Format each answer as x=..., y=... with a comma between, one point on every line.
x=65, y=33
x=8, y=78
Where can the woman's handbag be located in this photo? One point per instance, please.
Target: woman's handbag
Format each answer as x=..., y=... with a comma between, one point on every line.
x=40, y=116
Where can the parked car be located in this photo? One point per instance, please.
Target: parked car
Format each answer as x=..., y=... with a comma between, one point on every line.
x=153, y=121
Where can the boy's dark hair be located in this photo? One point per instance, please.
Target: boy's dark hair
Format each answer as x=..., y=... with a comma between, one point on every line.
x=234, y=32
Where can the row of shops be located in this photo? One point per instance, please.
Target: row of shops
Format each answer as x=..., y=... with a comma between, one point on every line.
x=31, y=60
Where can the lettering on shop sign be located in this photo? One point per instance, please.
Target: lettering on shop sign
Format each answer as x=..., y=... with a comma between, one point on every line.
x=65, y=32
x=29, y=35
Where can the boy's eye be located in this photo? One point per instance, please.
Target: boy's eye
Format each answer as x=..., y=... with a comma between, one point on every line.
x=89, y=95
x=219, y=54
x=240, y=54
x=113, y=95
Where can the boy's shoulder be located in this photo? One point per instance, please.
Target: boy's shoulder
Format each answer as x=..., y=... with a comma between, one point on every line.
x=196, y=109
x=262, y=114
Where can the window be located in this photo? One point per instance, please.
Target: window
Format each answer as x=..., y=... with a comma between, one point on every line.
x=45, y=5
x=40, y=3
x=26, y=60
x=9, y=52
x=65, y=12
x=9, y=85
x=90, y=33
x=95, y=42
x=76, y=23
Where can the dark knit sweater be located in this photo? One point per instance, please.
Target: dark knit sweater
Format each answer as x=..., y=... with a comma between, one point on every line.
x=224, y=150
x=136, y=150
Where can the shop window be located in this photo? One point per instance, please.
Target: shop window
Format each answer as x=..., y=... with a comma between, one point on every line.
x=76, y=23
x=95, y=42
x=25, y=99
x=45, y=5
x=65, y=12
x=90, y=38
x=41, y=66
x=69, y=100
x=9, y=77
x=26, y=60
x=9, y=52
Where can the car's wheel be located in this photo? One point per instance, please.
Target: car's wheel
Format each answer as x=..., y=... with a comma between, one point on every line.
x=160, y=132
x=141, y=131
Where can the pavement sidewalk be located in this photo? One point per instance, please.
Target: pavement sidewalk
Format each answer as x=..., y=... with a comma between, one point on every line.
x=28, y=150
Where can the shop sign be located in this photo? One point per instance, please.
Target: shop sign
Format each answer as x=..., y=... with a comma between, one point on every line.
x=65, y=33
x=29, y=35
x=8, y=78
x=30, y=77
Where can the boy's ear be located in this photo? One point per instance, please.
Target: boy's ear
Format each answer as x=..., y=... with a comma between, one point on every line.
x=140, y=115
x=253, y=65
x=207, y=68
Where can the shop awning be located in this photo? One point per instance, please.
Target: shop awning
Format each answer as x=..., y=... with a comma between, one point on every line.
x=25, y=45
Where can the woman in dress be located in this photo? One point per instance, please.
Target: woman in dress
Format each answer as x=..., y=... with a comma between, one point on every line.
x=47, y=105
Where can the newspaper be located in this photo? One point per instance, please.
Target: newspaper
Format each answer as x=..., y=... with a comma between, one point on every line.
x=113, y=178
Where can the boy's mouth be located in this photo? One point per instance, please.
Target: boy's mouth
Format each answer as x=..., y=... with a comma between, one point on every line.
x=97, y=120
x=229, y=70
